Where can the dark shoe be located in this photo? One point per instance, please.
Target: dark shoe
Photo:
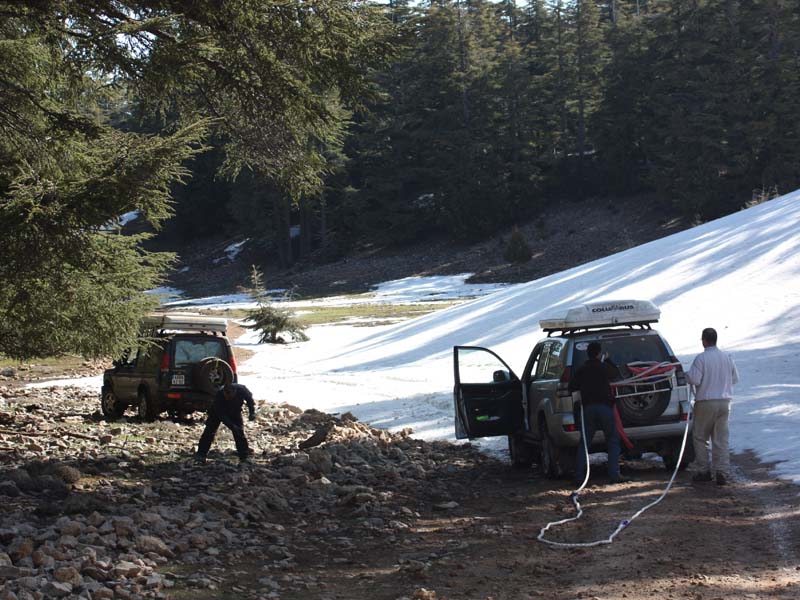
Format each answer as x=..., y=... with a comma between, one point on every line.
x=200, y=459
x=704, y=476
x=721, y=479
x=619, y=479
x=244, y=462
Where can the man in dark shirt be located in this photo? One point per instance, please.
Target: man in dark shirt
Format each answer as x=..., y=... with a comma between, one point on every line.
x=227, y=409
x=592, y=380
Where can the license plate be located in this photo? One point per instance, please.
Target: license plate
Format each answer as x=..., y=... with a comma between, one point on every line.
x=179, y=379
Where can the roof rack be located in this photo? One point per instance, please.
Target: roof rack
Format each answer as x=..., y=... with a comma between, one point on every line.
x=602, y=315
x=184, y=322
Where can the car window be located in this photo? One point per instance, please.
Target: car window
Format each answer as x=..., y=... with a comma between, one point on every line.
x=478, y=365
x=540, y=368
x=555, y=363
x=625, y=350
x=533, y=362
x=188, y=351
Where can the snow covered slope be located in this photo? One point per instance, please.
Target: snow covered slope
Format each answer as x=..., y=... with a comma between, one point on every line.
x=739, y=274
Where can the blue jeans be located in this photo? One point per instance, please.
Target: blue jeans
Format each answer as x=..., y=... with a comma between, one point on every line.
x=599, y=416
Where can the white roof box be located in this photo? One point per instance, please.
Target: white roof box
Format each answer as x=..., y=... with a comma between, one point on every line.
x=604, y=314
x=184, y=322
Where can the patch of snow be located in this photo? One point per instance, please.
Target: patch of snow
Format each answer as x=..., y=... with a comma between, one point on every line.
x=128, y=217
x=231, y=252
x=87, y=383
x=223, y=301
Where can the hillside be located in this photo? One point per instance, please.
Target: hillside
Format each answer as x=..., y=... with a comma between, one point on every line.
x=561, y=237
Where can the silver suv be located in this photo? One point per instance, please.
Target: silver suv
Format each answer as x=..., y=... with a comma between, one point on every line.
x=535, y=411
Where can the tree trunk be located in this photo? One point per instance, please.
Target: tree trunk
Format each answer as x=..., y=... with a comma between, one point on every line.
x=323, y=220
x=283, y=237
x=306, y=218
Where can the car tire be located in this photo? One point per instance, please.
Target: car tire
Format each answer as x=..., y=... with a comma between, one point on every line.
x=145, y=408
x=210, y=374
x=549, y=454
x=110, y=405
x=645, y=409
x=521, y=452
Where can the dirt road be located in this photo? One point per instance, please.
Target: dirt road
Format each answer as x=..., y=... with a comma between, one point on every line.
x=362, y=515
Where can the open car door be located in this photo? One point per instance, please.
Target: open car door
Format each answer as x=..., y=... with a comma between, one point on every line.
x=487, y=394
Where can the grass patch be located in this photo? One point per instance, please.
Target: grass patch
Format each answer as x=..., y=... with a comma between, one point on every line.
x=55, y=362
x=365, y=314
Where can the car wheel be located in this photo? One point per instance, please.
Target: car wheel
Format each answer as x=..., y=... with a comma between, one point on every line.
x=110, y=404
x=643, y=409
x=144, y=405
x=521, y=452
x=211, y=374
x=549, y=454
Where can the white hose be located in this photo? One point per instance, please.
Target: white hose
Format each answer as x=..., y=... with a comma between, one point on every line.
x=576, y=494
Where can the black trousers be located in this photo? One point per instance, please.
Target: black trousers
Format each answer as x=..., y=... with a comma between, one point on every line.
x=233, y=422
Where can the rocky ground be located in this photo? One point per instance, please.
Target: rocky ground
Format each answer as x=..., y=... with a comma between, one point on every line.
x=333, y=509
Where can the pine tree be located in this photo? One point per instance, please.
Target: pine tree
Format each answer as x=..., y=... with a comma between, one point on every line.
x=623, y=117
x=259, y=74
x=269, y=320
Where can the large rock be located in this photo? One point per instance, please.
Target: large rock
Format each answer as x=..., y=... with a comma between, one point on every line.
x=149, y=543
x=273, y=499
x=42, y=560
x=123, y=526
x=20, y=548
x=56, y=589
x=68, y=575
x=69, y=526
x=12, y=572
x=127, y=569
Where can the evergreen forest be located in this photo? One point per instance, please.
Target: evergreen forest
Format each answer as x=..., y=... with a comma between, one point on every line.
x=492, y=110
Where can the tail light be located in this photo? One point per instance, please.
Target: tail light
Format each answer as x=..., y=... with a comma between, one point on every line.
x=570, y=427
x=165, y=361
x=680, y=376
x=233, y=363
x=563, y=384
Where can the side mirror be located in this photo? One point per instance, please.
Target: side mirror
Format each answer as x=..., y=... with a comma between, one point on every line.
x=500, y=376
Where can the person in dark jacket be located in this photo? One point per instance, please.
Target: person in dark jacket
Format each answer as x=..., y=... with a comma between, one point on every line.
x=593, y=380
x=227, y=409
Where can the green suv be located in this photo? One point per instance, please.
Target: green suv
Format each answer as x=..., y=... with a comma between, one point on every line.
x=178, y=367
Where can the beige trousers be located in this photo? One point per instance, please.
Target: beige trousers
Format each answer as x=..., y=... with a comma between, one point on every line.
x=711, y=422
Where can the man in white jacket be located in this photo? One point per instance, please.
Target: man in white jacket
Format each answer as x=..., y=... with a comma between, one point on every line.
x=713, y=375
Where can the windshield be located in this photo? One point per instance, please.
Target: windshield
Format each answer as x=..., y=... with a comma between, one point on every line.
x=189, y=351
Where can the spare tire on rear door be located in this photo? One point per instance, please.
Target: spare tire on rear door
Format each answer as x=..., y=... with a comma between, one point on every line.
x=641, y=406
x=210, y=374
